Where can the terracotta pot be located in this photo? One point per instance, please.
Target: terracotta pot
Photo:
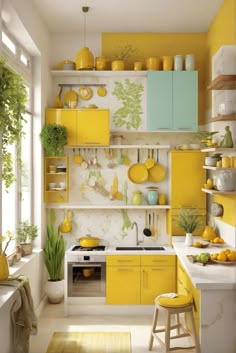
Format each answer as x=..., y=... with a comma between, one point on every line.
x=27, y=249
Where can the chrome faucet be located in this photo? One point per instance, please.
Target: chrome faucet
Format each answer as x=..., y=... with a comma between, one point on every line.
x=136, y=227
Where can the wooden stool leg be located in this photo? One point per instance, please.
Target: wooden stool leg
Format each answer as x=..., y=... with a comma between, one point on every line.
x=167, y=333
x=177, y=323
x=154, y=324
x=194, y=333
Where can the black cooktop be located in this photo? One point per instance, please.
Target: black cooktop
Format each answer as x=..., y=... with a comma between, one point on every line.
x=82, y=248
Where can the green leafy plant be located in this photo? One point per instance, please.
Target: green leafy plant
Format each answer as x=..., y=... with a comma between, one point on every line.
x=126, y=52
x=54, y=251
x=13, y=97
x=8, y=237
x=26, y=232
x=188, y=219
x=53, y=138
x=129, y=93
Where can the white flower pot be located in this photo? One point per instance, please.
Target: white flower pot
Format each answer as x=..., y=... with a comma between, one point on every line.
x=189, y=239
x=55, y=291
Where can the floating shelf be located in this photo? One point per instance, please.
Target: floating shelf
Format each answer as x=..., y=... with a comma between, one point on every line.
x=108, y=207
x=223, y=118
x=216, y=192
x=157, y=147
x=218, y=149
x=218, y=168
x=97, y=73
x=223, y=82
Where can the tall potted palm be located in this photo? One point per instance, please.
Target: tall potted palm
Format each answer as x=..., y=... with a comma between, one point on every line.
x=54, y=252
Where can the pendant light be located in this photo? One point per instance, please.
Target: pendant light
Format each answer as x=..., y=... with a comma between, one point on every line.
x=84, y=58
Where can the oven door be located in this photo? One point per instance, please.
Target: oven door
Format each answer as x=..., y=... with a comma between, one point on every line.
x=86, y=279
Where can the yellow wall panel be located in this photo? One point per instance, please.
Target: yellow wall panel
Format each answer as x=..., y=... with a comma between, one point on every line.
x=229, y=204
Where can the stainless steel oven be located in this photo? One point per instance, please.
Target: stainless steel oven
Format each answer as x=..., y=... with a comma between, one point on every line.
x=86, y=277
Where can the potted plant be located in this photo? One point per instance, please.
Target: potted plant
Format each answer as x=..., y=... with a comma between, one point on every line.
x=125, y=53
x=25, y=233
x=54, y=252
x=13, y=97
x=189, y=220
x=53, y=138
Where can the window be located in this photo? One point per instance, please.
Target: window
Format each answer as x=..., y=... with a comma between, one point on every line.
x=17, y=201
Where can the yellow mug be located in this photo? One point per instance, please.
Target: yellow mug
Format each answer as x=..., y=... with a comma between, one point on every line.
x=153, y=63
x=225, y=162
x=138, y=65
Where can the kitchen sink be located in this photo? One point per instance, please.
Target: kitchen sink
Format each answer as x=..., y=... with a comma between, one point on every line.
x=135, y=248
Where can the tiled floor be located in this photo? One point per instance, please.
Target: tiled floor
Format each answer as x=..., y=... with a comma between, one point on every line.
x=52, y=319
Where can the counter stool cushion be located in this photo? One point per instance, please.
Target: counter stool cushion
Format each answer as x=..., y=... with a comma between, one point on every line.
x=179, y=301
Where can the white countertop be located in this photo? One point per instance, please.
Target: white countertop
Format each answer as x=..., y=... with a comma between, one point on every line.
x=210, y=276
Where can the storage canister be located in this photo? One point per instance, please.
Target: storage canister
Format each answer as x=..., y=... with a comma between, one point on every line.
x=178, y=63
x=189, y=62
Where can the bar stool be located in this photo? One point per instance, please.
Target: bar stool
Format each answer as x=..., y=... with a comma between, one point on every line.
x=174, y=306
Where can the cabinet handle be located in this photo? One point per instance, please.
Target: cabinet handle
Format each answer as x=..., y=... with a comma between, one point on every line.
x=145, y=279
x=92, y=143
x=124, y=261
x=125, y=269
x=158, y=269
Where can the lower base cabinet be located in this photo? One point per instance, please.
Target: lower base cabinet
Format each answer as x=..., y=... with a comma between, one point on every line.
x=135, y=279
x=185, y=287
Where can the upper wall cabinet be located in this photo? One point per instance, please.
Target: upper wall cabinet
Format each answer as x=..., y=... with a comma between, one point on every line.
x=172, y=100
x=85, y=127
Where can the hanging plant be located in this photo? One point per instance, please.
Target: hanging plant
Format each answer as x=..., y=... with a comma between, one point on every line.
x=53, y=138
x=13, y=97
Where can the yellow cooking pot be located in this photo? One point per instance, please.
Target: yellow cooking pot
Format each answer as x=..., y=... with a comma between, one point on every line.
x=89, y=241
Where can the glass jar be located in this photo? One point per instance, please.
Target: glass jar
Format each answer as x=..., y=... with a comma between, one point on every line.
x=137, y=198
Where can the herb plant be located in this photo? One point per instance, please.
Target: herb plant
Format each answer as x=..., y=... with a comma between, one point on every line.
x=53, y=139
x=188, y=219
x=26, y=232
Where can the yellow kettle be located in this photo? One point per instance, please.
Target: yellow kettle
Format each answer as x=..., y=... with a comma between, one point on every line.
x=208, y=233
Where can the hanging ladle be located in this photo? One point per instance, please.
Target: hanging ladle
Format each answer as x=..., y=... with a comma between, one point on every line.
x=147, y=232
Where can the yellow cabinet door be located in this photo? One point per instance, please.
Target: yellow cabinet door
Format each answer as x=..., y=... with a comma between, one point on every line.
x=156, y=281
x=65, y=117
x=187, y=179
x=123, y=285
x=93, y=127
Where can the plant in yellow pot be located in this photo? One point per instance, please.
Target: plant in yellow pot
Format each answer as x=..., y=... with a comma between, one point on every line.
x=125, y=53
x=4, y=269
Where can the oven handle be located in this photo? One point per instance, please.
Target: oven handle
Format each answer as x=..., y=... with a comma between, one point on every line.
x=84, y=264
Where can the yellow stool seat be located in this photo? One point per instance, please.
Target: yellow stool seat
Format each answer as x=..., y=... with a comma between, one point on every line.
x=181, y=300
x=174, y=304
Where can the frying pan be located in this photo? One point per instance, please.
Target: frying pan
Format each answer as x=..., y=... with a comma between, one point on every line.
x=138, y=172
x=157, y=173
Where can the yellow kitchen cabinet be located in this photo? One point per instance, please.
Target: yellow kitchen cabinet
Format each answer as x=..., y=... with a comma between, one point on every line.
x=85, y=127
x=67, y=118
x=93, y=127
x=187, y=177
x=56, y=182
x=158, y=276
x=186, y=287
x=123, y=279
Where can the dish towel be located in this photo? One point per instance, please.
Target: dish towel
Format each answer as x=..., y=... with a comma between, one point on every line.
x=167, y=295
x=22, y=314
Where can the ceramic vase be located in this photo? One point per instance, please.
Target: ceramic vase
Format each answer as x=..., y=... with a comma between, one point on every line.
x=55, y=291
x=189, y=239
x=4, y=269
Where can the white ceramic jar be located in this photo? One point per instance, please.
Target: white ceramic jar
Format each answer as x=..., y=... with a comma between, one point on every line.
x=225, y=180
x=178, y=63
x=189, y=62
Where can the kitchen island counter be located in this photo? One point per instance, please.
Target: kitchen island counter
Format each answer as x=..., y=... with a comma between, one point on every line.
x=217, y=284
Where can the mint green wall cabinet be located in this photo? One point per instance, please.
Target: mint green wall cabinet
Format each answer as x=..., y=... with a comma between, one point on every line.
x=172, y=100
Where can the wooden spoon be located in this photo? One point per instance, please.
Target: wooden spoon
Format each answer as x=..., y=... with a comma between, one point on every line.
x=153, y=227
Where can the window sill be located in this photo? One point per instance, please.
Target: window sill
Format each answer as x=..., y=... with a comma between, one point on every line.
x=7, y=290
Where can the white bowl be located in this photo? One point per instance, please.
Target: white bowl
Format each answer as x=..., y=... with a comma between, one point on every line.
x=52, y=186
x=225, y=108
x=195, y=146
